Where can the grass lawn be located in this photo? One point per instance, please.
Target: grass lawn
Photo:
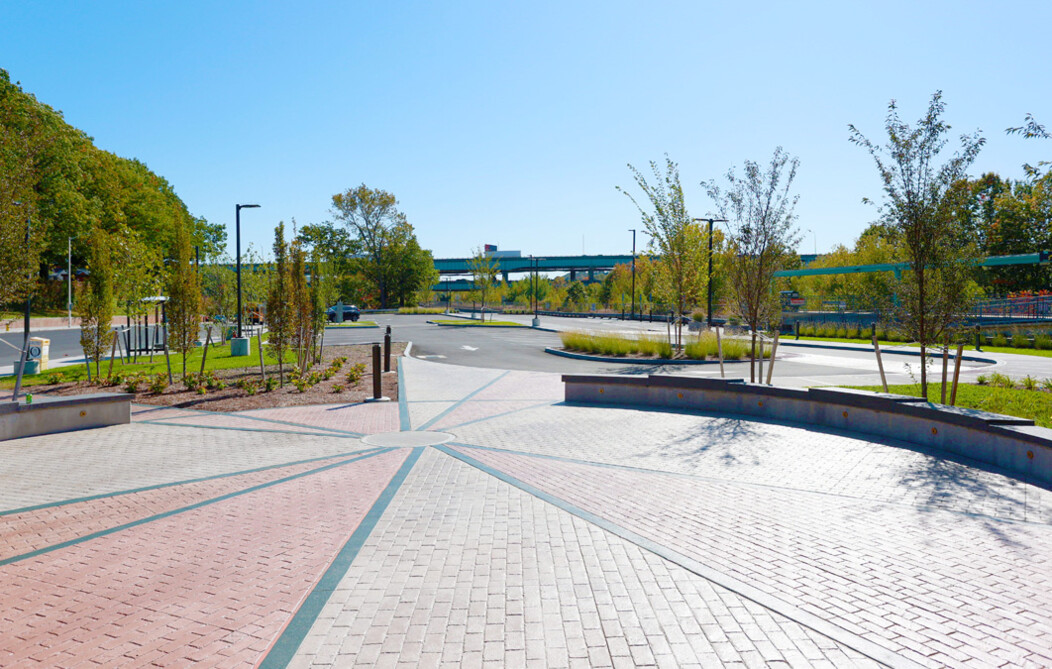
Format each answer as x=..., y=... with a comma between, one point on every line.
x=218, y=358
x=479, y=324
x=888, y=344
x=353, y=324
x=1033, y=404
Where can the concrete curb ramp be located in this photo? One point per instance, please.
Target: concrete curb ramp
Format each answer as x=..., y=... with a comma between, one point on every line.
x=1013, y=444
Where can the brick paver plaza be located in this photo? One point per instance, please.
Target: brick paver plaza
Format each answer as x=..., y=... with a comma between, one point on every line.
x=541, y=534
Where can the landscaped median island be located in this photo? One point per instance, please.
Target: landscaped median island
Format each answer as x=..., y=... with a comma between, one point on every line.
x=996, y=393
x=700, y=347
x=467, y=323
x=228, y=383
x=353, y=324
x=1009, y=339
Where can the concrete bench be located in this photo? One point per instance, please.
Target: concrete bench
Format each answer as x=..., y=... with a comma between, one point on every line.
x=48, y=415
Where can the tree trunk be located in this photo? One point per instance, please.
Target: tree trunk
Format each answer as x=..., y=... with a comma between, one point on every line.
x=752, y=358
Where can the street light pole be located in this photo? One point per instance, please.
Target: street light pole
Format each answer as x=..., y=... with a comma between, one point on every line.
x=237, y=232
x=708, y=283
x=633, y=231
x=69, y=281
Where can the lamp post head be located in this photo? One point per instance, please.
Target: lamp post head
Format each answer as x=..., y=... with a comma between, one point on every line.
x=247, y=206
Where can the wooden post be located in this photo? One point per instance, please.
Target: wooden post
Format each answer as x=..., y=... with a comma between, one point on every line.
x=956, y=374
x=774, y=350
x=719, y=351
x=752, y=359
x=880, y=363
x=262, y=367
x=945, y=359
x=113, y=352
x=208, y=340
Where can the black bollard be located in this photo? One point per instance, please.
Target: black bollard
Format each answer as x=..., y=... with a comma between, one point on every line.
x=387, y=349
x=377, y=391
x=978, y=339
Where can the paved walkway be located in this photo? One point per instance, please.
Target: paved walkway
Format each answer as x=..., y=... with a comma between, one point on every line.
x=539, y=534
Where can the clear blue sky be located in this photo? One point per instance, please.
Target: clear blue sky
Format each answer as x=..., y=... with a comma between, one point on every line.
x=511, y=123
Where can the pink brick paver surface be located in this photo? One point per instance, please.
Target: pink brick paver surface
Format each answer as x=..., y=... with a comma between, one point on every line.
x=369, y=418
x=28, y=531
x=903, y=577
x=472, y=411
x=209, y=587
x=205, y=419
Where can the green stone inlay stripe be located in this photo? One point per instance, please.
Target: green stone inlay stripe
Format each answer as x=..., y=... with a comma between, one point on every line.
x=308, y=431
x=460, y=402
x=191, y=507
x=499, y=415
x=284, y=649
x=866, y=647
x=234, y=414
x=404, y=423
x=104, y=495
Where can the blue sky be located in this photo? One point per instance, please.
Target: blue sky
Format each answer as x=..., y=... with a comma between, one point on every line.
x=512, y=123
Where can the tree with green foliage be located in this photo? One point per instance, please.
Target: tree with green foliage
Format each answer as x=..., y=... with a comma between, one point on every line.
x=760, y=211
x=409, y=270
x=681, y=243
x=923, y=207
x=369, y=214
x=280, y=313
x=301, y=305
x=183, y=310
x=484, y=268
x=97, y=302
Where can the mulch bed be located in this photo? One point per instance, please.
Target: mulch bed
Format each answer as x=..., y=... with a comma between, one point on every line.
x=233, y=398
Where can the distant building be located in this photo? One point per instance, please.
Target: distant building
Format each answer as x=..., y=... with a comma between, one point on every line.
x=491, y=252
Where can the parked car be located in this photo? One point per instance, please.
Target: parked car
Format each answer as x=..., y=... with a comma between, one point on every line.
x=350, y=313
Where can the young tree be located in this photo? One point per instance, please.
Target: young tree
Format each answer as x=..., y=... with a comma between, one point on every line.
x=920, y=205
x=301, y=305
x=184, y=297
x=760, y=213
x=280, y=313
x=20, y=256
x=681, y=243
x=140, y=273
x=484, y=270
x=96, y=304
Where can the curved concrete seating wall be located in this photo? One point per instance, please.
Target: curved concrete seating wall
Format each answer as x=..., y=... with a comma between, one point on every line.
x=48, y=415
x=1014, y=444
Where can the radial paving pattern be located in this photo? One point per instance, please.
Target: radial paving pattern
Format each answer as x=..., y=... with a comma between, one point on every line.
x=542, y=535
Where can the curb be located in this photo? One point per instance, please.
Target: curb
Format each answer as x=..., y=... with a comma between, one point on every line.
x=869, y=349
x=632, y=361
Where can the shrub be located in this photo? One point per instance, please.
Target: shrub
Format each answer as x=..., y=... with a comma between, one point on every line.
x=132, y=384
x=355, y=373
x=866, y=333
x=159, y=383
x=698, y=317
x=1043, y=342
x=53, y=379
x=999, y=340
x=250, y=388
x=654, y=346
x=1047, y=384
x=337, y=388
x=271, y=384
x=1029, y=383
x=1001, y=381
x=981, y=380
x=202, y=390
x=1020, y=340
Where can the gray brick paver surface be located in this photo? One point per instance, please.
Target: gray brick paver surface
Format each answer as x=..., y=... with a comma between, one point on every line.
x=451, y=514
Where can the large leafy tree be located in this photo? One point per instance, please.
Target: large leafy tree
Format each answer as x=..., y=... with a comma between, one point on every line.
x=760, y=209
x=369, y=215
x=410, y=270
x=923, y=207
x=682, y=244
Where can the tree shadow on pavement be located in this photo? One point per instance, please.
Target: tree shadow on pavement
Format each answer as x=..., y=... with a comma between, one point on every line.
x=732, y=441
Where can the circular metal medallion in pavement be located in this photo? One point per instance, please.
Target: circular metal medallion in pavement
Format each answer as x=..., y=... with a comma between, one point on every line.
x=407, y=439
